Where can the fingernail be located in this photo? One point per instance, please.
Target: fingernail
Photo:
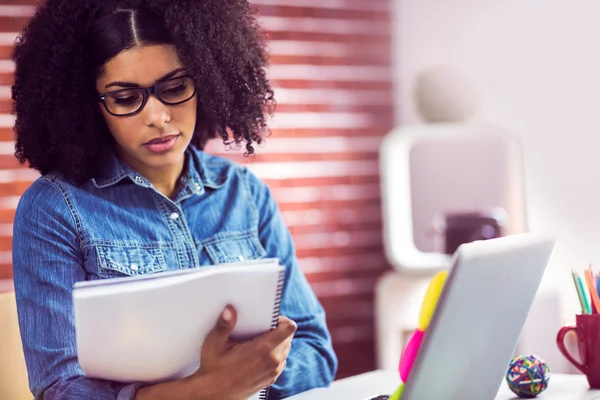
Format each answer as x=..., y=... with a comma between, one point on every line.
x=226, y=315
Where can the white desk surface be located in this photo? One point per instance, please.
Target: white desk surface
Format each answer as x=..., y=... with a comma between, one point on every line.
x=360, y=387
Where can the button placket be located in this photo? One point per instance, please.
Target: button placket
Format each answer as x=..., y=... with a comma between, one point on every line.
x=180, y=230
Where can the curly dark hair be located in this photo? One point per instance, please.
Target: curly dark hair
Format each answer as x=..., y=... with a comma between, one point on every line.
x=64, y=47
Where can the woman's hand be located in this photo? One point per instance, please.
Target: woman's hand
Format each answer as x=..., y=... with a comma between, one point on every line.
x=230, y=370
x=243, y=369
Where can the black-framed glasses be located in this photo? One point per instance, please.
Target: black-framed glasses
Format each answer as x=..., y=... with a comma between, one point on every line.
x=125, y=102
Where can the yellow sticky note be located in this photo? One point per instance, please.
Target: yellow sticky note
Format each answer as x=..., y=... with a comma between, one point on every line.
x=431, y=298
x=397, y=393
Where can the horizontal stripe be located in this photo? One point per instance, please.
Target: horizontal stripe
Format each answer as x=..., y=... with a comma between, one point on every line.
x=351, y=310
x=368, y=261
x=6, y=230
x=317, y=145
x=328, y=276
x=7, y=66
x=287, y=120
x=337, y=97
x=7, y=148
x=329, y=49
x=288, y=47
x=21, y=175
x=341, y=207
x=16, y=11
x=8, y=38
x=351, y=334
x=325, y=72
x=9, y=202
x=338, y=239
x=334, y=251
x=323, y=181
x=282, y=195
x=361, y=5
x=6, y=285
x=290, y=170
x=324, y=25
x=329, y=73
x=378, y=5
x=5, y=92
x=319, y=217
x=382, y=112
x=7, y=121
x=331, y=227
x=6, y=272
x=364, y=5
x=5, y=257
x=321, y=120
x=378, y=130
x=302, y=218
x=300, y=72
x=338, y=192
x=313, y=240
x=344, y=287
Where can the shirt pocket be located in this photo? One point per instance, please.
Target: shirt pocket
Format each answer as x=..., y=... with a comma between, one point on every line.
x=115, y=261
x=228, y=247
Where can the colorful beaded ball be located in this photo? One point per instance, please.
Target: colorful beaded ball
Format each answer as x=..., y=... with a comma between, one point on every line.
x=527, y=376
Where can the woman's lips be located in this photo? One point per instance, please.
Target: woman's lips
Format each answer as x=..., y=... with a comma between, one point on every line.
x=162, y=144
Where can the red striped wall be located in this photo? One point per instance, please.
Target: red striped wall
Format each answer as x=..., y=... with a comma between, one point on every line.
x=331, y=70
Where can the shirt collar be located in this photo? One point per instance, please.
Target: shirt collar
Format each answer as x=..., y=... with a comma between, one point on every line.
x=195, y=179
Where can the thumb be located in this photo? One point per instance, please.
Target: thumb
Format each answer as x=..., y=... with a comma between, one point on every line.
x=225, y=324
x=218, y=338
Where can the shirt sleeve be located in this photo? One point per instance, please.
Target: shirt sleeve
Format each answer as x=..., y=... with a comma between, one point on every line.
x=47, y=261
x=312, y=361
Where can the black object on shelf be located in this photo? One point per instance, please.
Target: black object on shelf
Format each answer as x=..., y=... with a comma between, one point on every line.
x=457, y=228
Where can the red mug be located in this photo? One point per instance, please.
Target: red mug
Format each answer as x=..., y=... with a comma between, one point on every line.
x=587, y=329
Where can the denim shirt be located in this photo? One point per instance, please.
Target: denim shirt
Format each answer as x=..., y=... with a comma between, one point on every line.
x=118, y=224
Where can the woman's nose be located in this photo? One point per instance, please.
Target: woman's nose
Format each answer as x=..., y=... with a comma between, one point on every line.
x=156, y=113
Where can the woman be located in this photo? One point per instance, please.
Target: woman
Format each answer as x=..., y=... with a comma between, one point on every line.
x=114, y=101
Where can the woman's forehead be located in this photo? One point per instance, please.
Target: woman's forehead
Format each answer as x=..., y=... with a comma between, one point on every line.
x=142, y=65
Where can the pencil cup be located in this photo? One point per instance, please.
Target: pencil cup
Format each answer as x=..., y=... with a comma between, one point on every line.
x=587, y=329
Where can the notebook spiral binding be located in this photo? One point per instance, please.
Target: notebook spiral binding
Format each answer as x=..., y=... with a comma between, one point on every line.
x=264, y=394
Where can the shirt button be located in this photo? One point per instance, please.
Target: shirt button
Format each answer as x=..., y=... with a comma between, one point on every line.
x=138, y=178
x=134, y=267
x=174, y=216
x=241, y=258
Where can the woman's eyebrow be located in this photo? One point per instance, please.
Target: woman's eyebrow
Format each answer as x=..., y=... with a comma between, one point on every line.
x=135, y=85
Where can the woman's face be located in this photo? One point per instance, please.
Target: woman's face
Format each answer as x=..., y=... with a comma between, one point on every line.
x=154, y=139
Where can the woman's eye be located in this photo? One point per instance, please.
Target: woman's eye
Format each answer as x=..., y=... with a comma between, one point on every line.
x=175, y=89
x=125, y=100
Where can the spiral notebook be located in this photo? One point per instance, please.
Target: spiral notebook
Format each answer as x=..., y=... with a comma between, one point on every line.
x=151, y=328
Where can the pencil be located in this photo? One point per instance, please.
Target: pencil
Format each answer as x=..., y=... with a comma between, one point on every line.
x=595, y=300
x=588, y=309
x=578, y=290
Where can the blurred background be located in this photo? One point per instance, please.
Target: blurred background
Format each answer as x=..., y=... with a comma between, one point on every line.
x=498, y=99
